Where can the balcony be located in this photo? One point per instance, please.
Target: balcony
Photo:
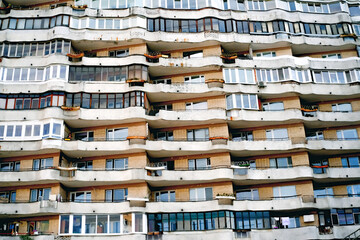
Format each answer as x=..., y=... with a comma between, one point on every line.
x=259, y=176
x=170, y=177
x=261, y=118
x=72, y=177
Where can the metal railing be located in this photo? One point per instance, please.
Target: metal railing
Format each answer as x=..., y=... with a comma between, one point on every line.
x=353, y=235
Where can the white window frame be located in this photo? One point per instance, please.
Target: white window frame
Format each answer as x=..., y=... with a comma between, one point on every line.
x=198, y=192
x=189, y=106
x=268, y=104
x=122, y=223
x=73, y=195
x=240, y=105
x=196, y=79
x=157, y=195
x=256, y=5
x=241, y=75
x=111, y=131
x=39, y=124
x=269, y=54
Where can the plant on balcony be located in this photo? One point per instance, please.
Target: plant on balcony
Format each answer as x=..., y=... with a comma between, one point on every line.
x=230, y=195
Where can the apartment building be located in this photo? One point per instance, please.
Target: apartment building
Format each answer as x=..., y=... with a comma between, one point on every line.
x=179, y=119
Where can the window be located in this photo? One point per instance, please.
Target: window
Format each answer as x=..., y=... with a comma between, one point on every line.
x=199, y=164
x=166, y=222
x=266, y=54
x=347, y=134
x=237, y=75
x=119, y=53
x=164, y=136
x=284, y=192
x=283, y=74
x=8, y=197
x=323, y=192
x=320, y=166
x=273, y=106
x=10, y=167
x=332, y=56
x=80, y=196
x=330, y=77
x=353, y=190
x=201, y=134
x=118, y=74
x=242, y=101
x=193, y=54
x=282, y=162
x=342, y=107
x=248, y=194
x=285, y=222
x=117, y=164
x=350, y=162
x=256, y=5
x=39, y=194
x=111, y=100
x=116, y=195
x=117, y=134
x=165, y=196
x=84, y=136
x=194, y=79
x=242, y=136
x=315, y=135
x=196, y=105
x=88, y=165
x=100, y=224
x=34, y=74
x=201, y=194
x=42, y=163
x=277, y=134
x=345, y=216
x=354, y=10
x=29, y=49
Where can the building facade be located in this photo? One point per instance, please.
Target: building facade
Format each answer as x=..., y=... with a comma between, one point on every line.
x=179, y=119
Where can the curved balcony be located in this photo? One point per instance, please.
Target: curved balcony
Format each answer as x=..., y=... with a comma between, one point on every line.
x=170, y=177
x=309, y=232
x=53, y=207
x=136, y=33
x=176, y=148
x=322, y=92
x=188, y=117
x=256, y=118
x=296, y=62
x=276, y=12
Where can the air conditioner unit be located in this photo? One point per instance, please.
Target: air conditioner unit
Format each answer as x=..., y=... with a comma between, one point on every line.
x=261, y=84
